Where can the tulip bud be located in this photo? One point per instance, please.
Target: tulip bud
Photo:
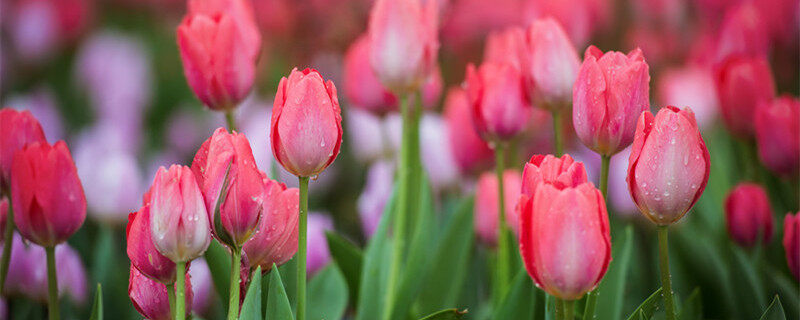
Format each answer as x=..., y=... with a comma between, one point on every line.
x=611, y=90
x=17, y=129
x=471, y=153
x=317, y=246
x=403, y=42
x=362, y=87
x=748, y=215
x=141, y=250
x=486, y=216
x=178, y=217
x=49, y=204
x=669, y=164
x=306, y=129
x=550, y=65
x=565, y=240
x=219, y=44
x=777, y=124
x=231, y=184
x=500, y=108
x=505, y=46
x=791, y=242
x=547, y=169
x=150, y=298
x=742, y=85
x=275, y=240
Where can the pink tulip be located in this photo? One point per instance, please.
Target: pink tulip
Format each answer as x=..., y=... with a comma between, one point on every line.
x=506, y=46
x=363, y=89
x=150, y=297
x=38, y=28
x=141, y=250
x=500, y=105
x=432, y=88
x=742, y=85
x=48, y=199
x=17, y=129
x=228, y=156
x=547, y=169
x=550, y=65
x=403, y=42
x=777, y=126
x=580, y=18
x=306, y=130
x=791, y=242
x=219, y=44
x=178, y=216
x=669, y=164
x=377, y=191
x=565, y=240
x=42, y=103
x=317, y=246
x=689, y=86
x=748, y=215
x=743, y=33
x=486, y=216
x=275, y=240
x=611, y=90
x=471, y=153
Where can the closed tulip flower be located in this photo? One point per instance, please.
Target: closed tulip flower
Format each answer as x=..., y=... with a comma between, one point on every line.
x=791, y=242
x=550, y=65
x=275, y=240
x=178, y=217
x=306, y=130
x=150, y=297
x=506, y=46
x=547, y=169
x=742, y=85
x=743, y=32
x=228, y=156
x=471, y=153
x=17, y=129
x=141, y=250
x=49, y=204
x=777, y=127
x=486, y=217
x=565, y=239
x=669, y=164
x=748, y=215
x=500, y=107
x=610, y=93
x=363, y=89
x=219, y=44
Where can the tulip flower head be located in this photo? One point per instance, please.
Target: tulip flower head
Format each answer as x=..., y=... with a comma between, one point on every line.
x=471, y=153
x=500, y=105
x=748, y=215
x=777, y=125
x=141, y=250
x=505, y=46
x=791, y=242
x=486, y=216
x=17, y=129
x=362, y=87
x=743, y=84
x=547, y=169
x=550, y=65
x=275, y=240
x=150, y=298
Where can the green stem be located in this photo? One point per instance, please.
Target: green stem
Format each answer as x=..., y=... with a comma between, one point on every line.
x=180, y=290
x=666, y=279
x=230, y=120
x=233, y=294
x=301, y=250
x=591, y=297
x=52, y=283
x=559, y=310
x=569, y=309
x=8, y=237
x=502, y=249
x=604, y=175
x=171, y=298
x=559, y=144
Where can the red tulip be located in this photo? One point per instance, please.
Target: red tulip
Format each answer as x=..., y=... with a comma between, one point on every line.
x=49, y=204
x=743, y=32
x=17, y=129
x=611, y=90
x=141, y=250
x=470, y=152
x=228, y=156
x=500, y=107
x=565, y=240
x=178, y=217
x=3, y=213
x=486, y=217
x=748, y=215
x=669, y=164
x=742, y=85
x=306, y=130
x=505, y=46
x=403, y=42
x=276, y=238
x=362, y=87
x=547, y=169
x=777, y=126
x=550, y=65
x=219, y=45
x=150, y=297
x=791, y=242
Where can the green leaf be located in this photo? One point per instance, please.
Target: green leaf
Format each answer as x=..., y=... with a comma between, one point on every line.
x=251, y=307
x=349, y=259
x=327, y=294
x=774, y=311
x=647, y=307
x=278, y=307
x=97, y=306
x=517, y=302
x=219, y=263
x=693, y=307
x=752, y=279
x=377, y=257
x=450, y=263
x=447, y=314
x=611, y=299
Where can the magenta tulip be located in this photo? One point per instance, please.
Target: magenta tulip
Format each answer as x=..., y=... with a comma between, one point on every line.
x=150, y=297
x=500, y=106
x=141, y=250
x=791, y=242
x=363, y=89
x=275, y=240
x=17, y=129
x=748, y=215
x=742, y=85
x=777, y=126
x=471, y=153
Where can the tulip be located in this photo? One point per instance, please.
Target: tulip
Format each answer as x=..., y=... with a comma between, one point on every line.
x=318, y=254
x=580, y=18
x=142, y=251
x=669, y=165
x=791, y=242
x=17, y=129
x=500, y=108
x=550, y=65
x=437, y=160
x=505, y=46
x=38, y=28
x=150, y=298
x=777, y=124
x=363, y=89
x=547, y=169
x=227, y=175
x=748, y=215
x=486, y=194
x=688, y=86
x=275, y=240
x=403, y=42
x=743, y=32
x=203, y=288
x=742, y=85
x=306, y=130
x=611, y=90
x=42, y=103
x=219, y=44
x=471, y=153
x=565, y=239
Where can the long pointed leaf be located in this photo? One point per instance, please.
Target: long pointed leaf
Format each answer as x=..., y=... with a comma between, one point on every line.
x=774, y=311
x=373, y=273
x=219, y=263
x=517, y=302
x=448, y=314
x=97, y=307
x=251, y=307
x=647, y=307
x=349, y=258
x=327, y=294
x=278, y=307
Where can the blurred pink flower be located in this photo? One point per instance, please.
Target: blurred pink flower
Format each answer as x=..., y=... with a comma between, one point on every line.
x=27, y=272
x=580, y=18
x=40, y=27
x=317, y=246
x=202, y=288
x=689, y=86
x=376, y=193
x=43, y=105
x=366, y=134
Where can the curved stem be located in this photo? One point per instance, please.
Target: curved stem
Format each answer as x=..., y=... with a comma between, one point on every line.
x=557, y=136
x=301, y=250
x=171, y=298
x=52, y=283
x=180, y=290
x=559, y=309
x=503, y=254
x=233, y=294
x=230, y=120
x=604, y=175
x=666, y=279
x=8, y=237
x=569, y=309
